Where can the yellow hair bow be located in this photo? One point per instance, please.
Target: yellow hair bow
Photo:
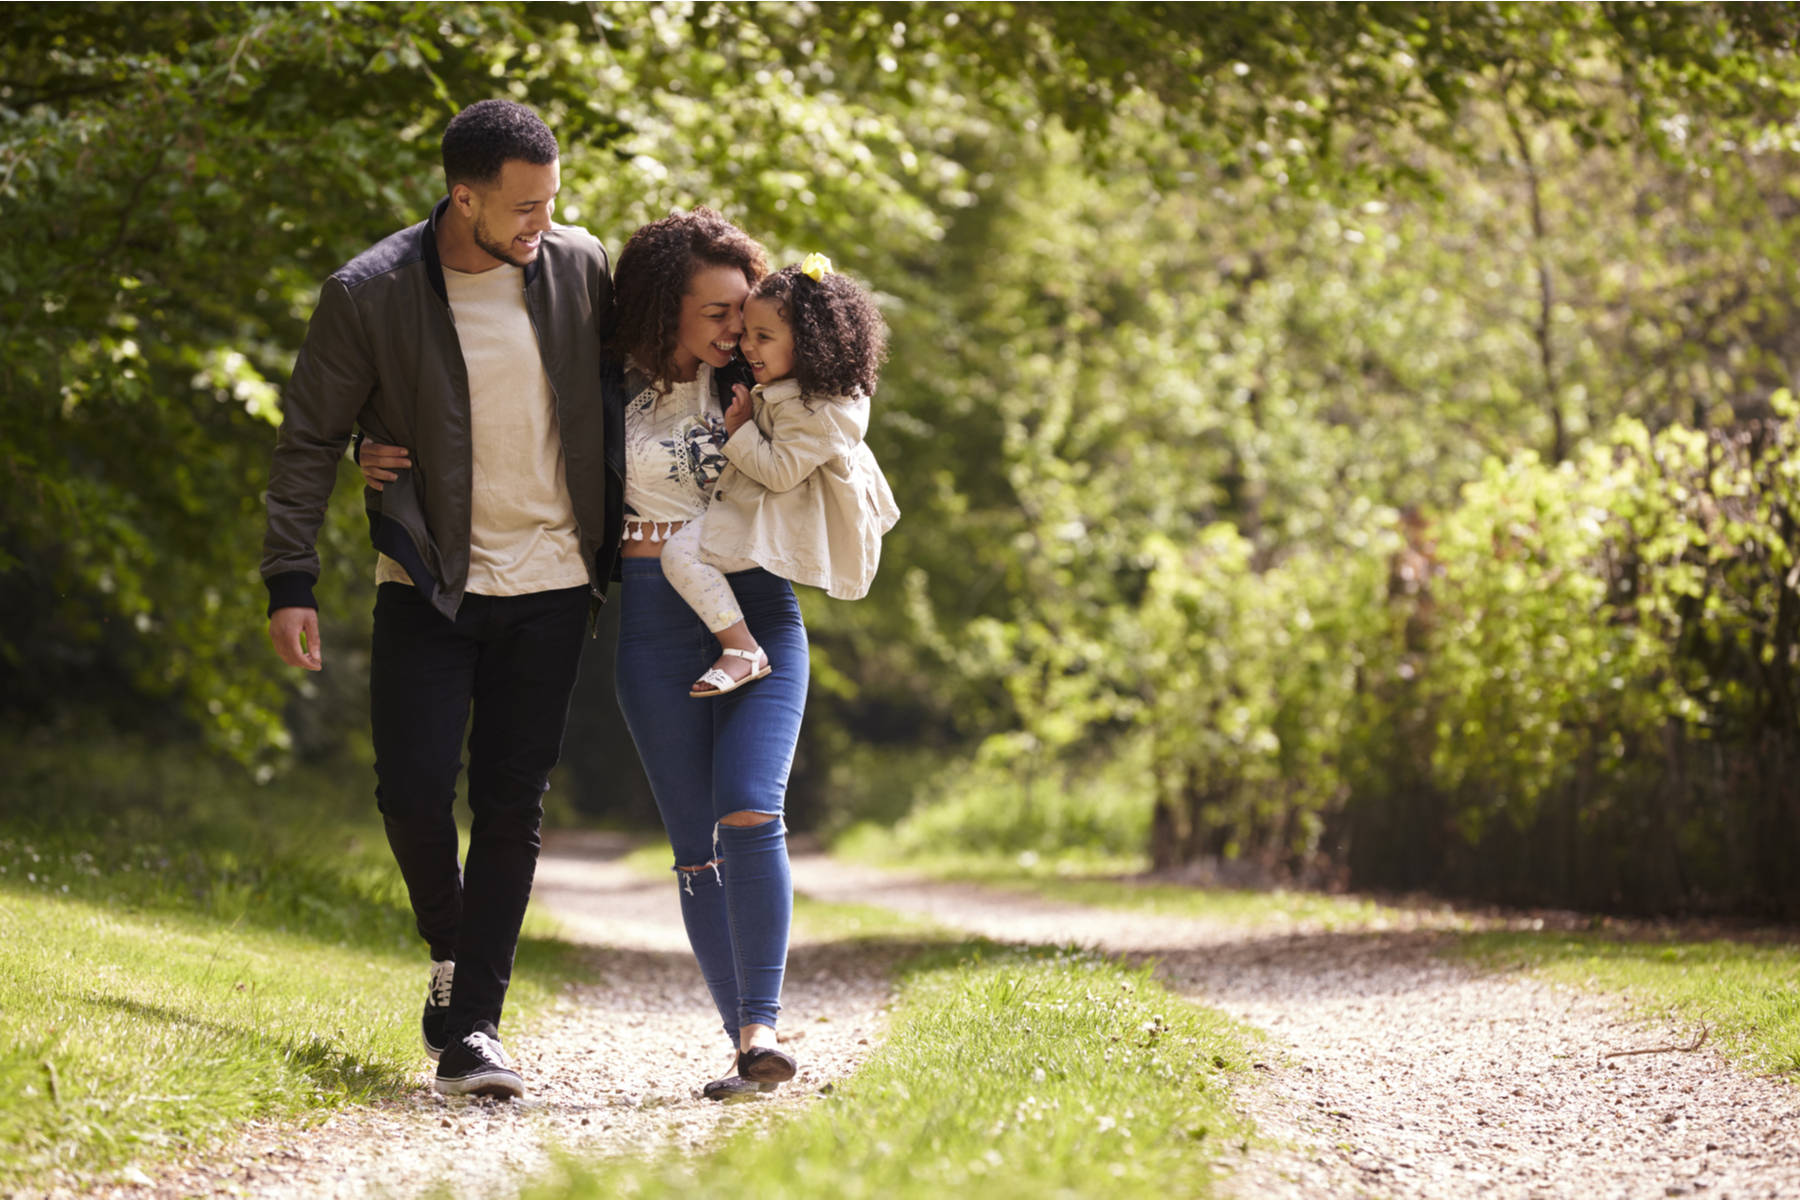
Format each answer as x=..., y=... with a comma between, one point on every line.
x=815, y=267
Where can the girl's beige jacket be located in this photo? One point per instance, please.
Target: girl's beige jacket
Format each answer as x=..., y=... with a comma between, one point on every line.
x=801, y=495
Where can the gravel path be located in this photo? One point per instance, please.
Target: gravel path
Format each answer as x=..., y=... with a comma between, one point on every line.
x=615, y=1068
x=1394, y=1072
x=1390, y=1070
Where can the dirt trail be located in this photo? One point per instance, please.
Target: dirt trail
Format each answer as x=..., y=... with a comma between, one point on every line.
x=1395, y=1072
x=615, y=1068
x=1390, y=1070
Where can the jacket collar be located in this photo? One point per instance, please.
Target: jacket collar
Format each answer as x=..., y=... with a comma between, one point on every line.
x=781, y=389
x=434, y=267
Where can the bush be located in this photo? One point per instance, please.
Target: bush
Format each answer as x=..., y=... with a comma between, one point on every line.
x=1010, y=800
x=1575, y=687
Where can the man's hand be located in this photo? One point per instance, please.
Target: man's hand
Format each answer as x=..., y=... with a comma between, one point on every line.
x=379, y=461
x=295, y=633
x=735, y=416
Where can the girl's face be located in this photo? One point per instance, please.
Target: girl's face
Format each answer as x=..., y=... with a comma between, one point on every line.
x=768, y=341
x=712, y=319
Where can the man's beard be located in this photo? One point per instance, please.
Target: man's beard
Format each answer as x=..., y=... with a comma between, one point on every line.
x=500, y=250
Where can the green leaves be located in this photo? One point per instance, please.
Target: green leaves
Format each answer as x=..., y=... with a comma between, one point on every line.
x=1189, y=305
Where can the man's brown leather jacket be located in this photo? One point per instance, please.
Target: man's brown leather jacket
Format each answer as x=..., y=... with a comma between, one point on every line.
x=381, y=357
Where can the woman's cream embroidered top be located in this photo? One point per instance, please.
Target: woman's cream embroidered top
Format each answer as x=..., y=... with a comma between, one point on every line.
x=673, y=452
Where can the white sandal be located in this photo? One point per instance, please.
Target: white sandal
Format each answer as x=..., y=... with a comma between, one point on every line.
x=722, y=683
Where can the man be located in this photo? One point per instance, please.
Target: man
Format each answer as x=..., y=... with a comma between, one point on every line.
x=472, y=338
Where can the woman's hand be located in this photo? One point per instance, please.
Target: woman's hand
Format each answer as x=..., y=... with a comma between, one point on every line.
x=379, y=461
x=735, y=416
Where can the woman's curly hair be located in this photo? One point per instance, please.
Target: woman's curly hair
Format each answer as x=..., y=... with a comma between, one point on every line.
x=840, y=340
x=653, y=275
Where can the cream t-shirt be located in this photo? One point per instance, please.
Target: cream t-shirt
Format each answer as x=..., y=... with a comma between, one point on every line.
x=522, y=534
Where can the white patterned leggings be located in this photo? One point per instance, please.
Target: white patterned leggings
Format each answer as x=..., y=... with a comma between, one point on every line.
x=699, y=577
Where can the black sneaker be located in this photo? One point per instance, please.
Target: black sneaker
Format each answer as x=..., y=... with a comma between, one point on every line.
x=433, y=1024
x=477, y=1066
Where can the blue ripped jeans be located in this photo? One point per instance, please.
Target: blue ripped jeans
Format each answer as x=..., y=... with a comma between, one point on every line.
x=707, y=759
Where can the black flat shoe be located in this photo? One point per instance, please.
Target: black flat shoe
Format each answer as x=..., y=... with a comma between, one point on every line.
x=733, y=1087
x=765, y=1064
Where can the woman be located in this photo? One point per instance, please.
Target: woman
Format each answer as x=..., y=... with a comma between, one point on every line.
x=718, y=767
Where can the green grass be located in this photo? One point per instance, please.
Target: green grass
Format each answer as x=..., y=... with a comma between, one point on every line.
x=131, y=1032
x=1747, y=994
x=1006, y=1073
x=653, y=859
x=1110, y=881
x=182, y=950
x=871, y=844
x=1278, y=906
x=814, y=921
x=817, y=921
x=1002, y=801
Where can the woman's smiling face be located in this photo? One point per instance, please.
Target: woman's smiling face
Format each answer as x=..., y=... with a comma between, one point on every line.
x=768, y=341
x=712, y=319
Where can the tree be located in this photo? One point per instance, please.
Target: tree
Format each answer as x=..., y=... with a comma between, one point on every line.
x=1156, y=272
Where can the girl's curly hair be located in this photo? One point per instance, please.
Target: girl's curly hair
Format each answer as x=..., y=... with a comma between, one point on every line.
x=654, y=272
x=840, y=340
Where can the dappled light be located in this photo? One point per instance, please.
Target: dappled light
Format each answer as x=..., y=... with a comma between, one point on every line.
x=1347, y=578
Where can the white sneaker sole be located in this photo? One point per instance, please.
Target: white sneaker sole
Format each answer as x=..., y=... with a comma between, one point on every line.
x=504, y=1084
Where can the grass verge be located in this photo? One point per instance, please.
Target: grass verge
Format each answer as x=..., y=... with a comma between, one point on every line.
x=1008, y=1073
x=1111, y=881
x=1747, y=994
x=182, y=950
x=814, y=921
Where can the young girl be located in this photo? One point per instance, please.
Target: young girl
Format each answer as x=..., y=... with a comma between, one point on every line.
x=801, y=495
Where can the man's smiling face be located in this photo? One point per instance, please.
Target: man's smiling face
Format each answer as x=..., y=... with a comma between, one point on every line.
x=511, y=214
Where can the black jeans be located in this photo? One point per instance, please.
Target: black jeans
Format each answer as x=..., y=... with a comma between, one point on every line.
x=512, y=659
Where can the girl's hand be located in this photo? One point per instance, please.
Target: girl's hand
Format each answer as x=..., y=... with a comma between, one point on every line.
x=379, y=461
x=735, y=416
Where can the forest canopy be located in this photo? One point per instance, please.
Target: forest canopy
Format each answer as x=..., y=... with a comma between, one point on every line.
x=1349, y=436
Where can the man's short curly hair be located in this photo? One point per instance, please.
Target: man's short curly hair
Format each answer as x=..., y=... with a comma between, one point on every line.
x=488, y=134
x=653, y=275
x=840, y=340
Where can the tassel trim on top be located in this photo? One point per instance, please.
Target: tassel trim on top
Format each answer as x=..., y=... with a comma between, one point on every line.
x=660, y=531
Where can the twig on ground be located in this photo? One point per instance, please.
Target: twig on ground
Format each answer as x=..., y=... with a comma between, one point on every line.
x=1699, y=1041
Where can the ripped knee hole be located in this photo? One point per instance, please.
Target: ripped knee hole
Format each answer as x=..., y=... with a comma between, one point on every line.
x=747, y=818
